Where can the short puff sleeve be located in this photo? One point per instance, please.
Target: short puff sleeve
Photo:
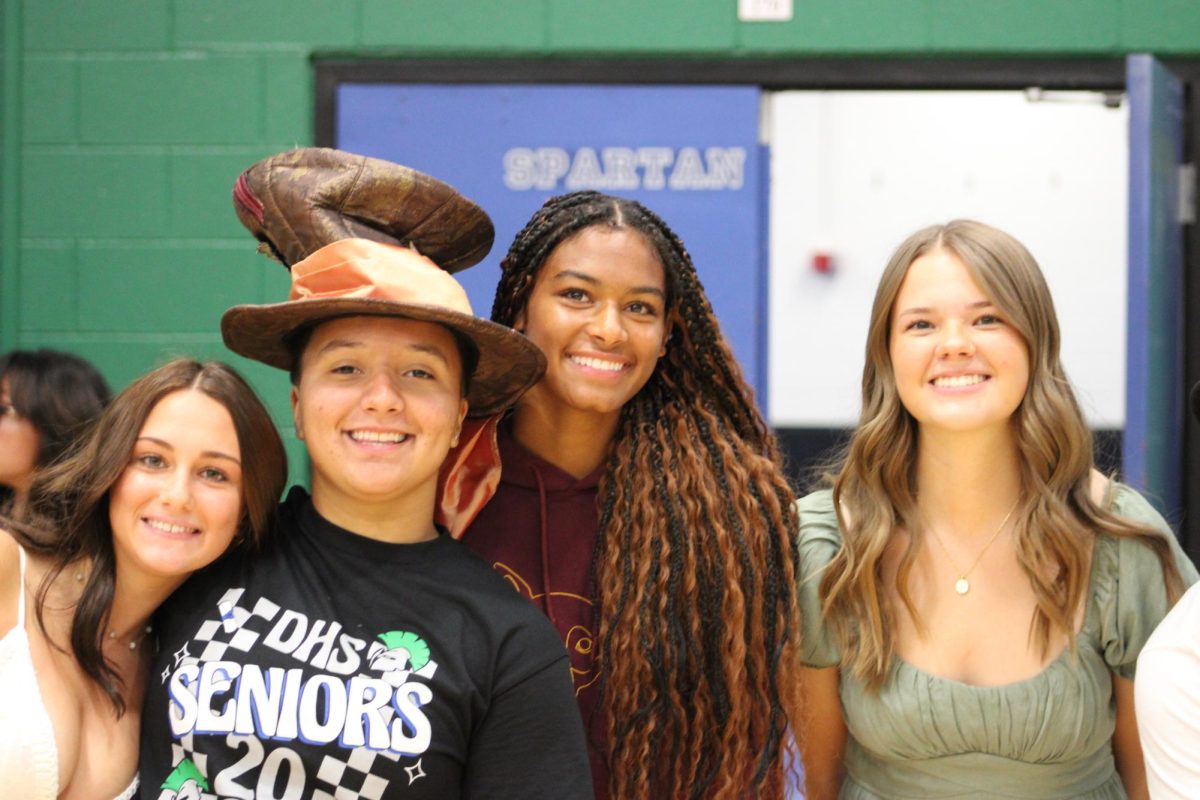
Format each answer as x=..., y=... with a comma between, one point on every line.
x=1129, y=583
x=818, y=540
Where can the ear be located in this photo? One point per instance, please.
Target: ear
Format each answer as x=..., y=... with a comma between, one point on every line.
x=462, y=414
x=670, y=330
x=297, y=417
x=519, y=322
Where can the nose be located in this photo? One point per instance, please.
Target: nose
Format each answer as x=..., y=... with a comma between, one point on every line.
x=382, y=394
x=606, y=325
x=177, y=491
x=956, y=341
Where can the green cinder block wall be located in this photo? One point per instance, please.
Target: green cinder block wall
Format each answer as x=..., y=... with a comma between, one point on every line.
x=125, y=123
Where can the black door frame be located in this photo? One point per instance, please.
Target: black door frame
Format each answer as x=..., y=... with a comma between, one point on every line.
x=775, y=74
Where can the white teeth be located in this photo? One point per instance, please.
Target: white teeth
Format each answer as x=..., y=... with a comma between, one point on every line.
x=374, y=436
x=598, y=363
x=958, y=380
x=167, y=527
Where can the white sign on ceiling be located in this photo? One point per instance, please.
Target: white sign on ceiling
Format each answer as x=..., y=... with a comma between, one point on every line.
x=764, y=10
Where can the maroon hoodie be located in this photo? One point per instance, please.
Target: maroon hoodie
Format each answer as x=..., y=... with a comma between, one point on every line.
x=538, y=531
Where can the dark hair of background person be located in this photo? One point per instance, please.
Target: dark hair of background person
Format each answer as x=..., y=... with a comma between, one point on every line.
x=59, y=393
x=694, y=566
x=68, y=503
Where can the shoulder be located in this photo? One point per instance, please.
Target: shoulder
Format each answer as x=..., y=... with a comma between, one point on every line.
x=1127, y=503
x=487, y=592
x=1133, y=557
x=10, y=575
x=517, y=637
x=819, y=540
x=819, y=536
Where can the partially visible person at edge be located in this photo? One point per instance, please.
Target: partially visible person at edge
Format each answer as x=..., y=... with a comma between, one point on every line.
x=641, y=506
x=975, y=593
x=182, y=464
x=367, y=654
x=47, y=398
x=1167, y=695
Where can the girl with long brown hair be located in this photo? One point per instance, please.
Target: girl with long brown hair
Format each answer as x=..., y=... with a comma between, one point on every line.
x=182, y=464
x=975, y=592
x=639, y=501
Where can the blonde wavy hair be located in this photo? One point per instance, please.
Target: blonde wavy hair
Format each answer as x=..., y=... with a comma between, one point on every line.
x=874, y=490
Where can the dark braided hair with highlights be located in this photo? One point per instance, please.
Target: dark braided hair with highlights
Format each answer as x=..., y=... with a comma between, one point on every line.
x=694, y=566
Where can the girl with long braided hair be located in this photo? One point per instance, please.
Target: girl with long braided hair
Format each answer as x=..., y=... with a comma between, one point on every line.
x=641, y=504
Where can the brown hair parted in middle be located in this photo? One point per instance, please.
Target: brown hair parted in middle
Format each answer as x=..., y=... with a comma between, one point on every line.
x=694, y=565
x=68, y=503
x=875, y=489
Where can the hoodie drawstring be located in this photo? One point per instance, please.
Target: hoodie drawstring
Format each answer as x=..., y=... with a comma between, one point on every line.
x=542, y=519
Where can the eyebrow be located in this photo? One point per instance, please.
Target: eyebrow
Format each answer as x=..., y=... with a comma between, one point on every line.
x=594, y=281
x=207, y=453
x=421, y=347
x=927, y=310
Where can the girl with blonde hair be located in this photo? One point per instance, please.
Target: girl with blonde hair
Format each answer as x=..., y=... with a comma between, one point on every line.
x=974, y=592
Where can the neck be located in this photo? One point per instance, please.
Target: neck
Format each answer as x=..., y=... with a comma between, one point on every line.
x=135, y=597
x=405, y=520
x=966, y=482
x=577, y=442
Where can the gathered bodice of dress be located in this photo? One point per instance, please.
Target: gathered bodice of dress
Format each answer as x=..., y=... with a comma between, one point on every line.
x=1047, y=737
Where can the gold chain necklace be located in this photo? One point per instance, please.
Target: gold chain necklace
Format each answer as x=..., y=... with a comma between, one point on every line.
x=962, y=585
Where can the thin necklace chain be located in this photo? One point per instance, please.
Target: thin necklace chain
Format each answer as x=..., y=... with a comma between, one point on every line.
x=962, y=585
x=134, y=641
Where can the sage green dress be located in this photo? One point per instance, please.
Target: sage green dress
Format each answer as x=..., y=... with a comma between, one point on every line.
x=927, y=737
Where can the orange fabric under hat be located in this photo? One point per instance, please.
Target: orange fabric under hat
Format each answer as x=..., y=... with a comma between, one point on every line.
x=360, y=268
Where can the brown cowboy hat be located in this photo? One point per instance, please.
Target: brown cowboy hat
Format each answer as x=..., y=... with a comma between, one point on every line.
x=298, y=201
x=359, y=277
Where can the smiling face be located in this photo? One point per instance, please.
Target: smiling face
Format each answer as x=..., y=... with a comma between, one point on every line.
x=176, y=506
x=598, y=312
x=379, y=404
x=958, y=364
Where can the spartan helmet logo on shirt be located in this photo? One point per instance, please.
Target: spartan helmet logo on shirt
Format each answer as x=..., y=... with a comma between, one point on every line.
x=185, y=782
x=399, y=654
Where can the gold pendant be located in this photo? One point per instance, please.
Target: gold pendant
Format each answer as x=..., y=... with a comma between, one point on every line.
x=961, y=586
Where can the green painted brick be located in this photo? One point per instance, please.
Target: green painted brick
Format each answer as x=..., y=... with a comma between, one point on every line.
x=299, y=466
x=49, y=293
x=172, y=100
x=1024, y=26
x=50, y=91
x=90, y=194
x=637, y=26
x=1161, y=26
x=157, y=288
x=271, y=385
x=96, y=24
x=289, y=100
x=437, y=25
x=842, y=26
x=201, y=194
x=320, y=23
x=121, y=358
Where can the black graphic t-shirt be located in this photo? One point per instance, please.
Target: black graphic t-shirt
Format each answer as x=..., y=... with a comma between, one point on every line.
x=336, y=666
